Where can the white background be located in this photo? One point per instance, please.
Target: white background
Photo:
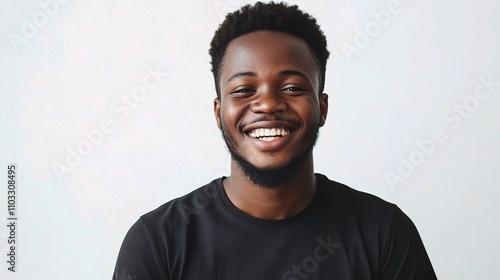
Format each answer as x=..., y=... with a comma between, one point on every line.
x=64, y=69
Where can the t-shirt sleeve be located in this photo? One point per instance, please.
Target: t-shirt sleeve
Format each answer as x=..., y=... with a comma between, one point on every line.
x=404, y=256
x=138, y=257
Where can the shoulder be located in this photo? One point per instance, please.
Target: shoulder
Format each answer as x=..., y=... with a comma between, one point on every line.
x=180, y=210
x=348, y=199
x=143, y=253
x=355, y=210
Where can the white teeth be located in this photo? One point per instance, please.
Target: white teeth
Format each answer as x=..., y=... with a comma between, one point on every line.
x=269, y=138
x=268, y=134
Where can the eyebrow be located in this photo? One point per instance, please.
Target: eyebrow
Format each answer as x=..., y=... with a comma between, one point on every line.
x=293, y=73
x=242, y=74
x=283, y=73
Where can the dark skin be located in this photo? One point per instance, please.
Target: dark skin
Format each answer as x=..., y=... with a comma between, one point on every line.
x=269, y=80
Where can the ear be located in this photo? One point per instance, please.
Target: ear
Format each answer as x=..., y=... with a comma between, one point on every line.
x=323, y=108
x=217, y=111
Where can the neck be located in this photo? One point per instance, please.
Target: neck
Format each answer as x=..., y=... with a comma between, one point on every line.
x=271, y=203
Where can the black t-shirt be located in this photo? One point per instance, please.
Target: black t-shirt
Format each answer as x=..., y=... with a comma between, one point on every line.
x=341, y=234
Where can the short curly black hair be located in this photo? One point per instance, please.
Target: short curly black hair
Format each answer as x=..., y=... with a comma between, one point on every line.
x=270, y=16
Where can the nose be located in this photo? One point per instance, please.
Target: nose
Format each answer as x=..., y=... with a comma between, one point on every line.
x=269, y=101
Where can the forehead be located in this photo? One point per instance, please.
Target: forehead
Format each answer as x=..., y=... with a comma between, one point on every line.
x=267, y=53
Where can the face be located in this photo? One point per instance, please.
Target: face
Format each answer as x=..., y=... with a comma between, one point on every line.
x=270, y=109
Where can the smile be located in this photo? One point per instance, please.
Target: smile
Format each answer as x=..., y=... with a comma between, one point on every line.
x=268, y=134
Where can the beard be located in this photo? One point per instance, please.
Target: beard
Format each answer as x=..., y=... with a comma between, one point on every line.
x=273, y=176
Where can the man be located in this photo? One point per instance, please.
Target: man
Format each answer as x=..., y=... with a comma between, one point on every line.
x=273, y=217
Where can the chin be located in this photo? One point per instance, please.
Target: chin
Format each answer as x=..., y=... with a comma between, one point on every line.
x=269, y=176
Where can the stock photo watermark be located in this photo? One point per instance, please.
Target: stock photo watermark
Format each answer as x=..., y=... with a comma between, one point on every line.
x=124, y=274
x=200, y=201
x=363, y=36
x=48, y=9
x=223, y=7
x=310, y=264
x=454, y=116
x=122, y=107
x=12, y=222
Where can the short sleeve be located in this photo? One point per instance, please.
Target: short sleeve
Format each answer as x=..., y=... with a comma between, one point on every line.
x=138, y=257
x=404, y=256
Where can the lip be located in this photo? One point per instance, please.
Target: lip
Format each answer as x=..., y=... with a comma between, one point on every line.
x=274, y=144
x=270, y=124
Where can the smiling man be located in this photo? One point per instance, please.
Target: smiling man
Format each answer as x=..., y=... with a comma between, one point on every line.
x=273, y=217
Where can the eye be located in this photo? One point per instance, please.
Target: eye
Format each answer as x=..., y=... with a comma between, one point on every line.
x=243, y=92
x=294, y=90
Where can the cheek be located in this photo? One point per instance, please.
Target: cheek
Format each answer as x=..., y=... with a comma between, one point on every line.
x=309, y=112
x=231, y=115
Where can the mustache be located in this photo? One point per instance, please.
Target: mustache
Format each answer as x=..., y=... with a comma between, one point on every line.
x=270, y=117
